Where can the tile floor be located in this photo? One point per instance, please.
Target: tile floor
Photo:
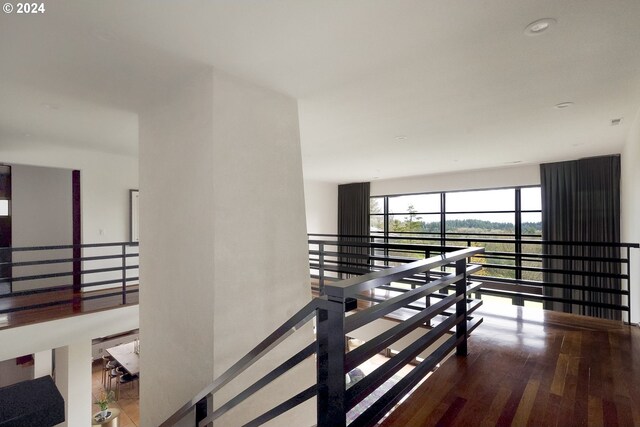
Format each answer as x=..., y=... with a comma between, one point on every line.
x=128, y=402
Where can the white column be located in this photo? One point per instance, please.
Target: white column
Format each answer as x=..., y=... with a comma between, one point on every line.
x=73, y=378
x=222, y=240
x=42, y=363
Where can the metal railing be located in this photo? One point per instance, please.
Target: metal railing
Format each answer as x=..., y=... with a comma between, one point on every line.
x=520, y=269
x=449, y=316
x=45, y=276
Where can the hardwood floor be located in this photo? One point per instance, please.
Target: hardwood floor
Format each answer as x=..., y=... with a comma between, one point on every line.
x=128, y=403
x=529, y=367
x=65, y=306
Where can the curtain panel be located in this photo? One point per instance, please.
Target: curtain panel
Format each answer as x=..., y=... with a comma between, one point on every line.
x=353, y=220
x=580, y=204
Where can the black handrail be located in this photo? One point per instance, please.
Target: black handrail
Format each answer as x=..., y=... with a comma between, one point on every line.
x=522, y=278
x=332, y=325
x=55, y=270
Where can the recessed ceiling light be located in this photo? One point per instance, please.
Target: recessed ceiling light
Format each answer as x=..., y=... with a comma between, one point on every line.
x=616, y=122
x=539, y=26
x=562, y=105
x=400, y=138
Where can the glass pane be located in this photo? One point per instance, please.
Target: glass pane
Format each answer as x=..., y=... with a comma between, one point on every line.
x=485, y=200
x=414, y=223
x=530, y=199
x=376, y=223
x=474, y=223
x=415, y=203
x=4, y=208
x=376, y=205
x=531, y=224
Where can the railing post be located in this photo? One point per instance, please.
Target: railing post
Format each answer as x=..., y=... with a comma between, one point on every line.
x=124, y=273
x=330, y=365
x=427, y=279
x=461, y=306
x=321, y=268
x=202, y=410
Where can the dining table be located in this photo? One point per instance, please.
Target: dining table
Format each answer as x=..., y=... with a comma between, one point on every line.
x=126, y=356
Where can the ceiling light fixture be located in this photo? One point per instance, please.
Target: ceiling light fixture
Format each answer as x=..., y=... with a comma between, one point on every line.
x=538, y=27
x=616, y=122
x=563, y=105
x=400, y=138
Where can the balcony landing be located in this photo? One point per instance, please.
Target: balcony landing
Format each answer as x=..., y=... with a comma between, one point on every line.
x=60, y=304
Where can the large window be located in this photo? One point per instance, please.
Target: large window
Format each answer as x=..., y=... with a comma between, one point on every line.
x=511, y=212
x=503, y=221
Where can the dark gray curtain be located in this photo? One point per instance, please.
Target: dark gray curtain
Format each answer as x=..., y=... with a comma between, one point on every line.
x=581, y=203
x=353, y=220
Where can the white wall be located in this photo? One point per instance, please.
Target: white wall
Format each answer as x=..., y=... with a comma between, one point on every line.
x=321, y=205
x=12, y=373
x=41, y=215
x=105, y=178
x=467, y=180
x=630, y=207
x=41, y=206
x=223, y=239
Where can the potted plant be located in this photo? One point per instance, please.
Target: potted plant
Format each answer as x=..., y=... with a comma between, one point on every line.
x=103, y=402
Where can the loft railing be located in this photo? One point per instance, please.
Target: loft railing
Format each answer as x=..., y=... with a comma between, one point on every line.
x=45, y=276
x=520, y=268
x=449, y=316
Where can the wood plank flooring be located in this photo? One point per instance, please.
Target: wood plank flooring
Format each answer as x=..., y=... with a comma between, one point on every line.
x=65, y=305
x=529, y=367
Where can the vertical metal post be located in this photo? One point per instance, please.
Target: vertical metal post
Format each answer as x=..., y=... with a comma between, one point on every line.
x=202, y=410
x=330, y=364
x=124, y=273
x=321, y=268
x=461, y=306
x=427, y=279
x=518, y=300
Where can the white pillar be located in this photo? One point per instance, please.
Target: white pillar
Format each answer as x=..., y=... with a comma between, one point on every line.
x=222, y=241
x=73, y=378
x=42, y=363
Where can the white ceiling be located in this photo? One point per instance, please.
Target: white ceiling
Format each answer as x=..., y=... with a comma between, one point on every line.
x=458, y=78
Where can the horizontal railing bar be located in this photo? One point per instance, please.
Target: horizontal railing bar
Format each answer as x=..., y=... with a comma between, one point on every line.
x=363, y=317
x=550, y=285
x=64, y=260
x=53, y=247
x=281, y=408
x=371, y=382
x=295, y=322
x=64, y=287
x=383, y=245
x=386, y=402
x=447, y=236
x=558, y=271
x=367, y=350
x=65, y=274
x=267, y=379
x=354, y=285
x=556, y=299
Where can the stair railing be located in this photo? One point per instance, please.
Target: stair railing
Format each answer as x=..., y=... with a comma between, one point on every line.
x=451, y=315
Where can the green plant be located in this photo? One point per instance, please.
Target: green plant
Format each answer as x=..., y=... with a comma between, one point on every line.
x=104, y=399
